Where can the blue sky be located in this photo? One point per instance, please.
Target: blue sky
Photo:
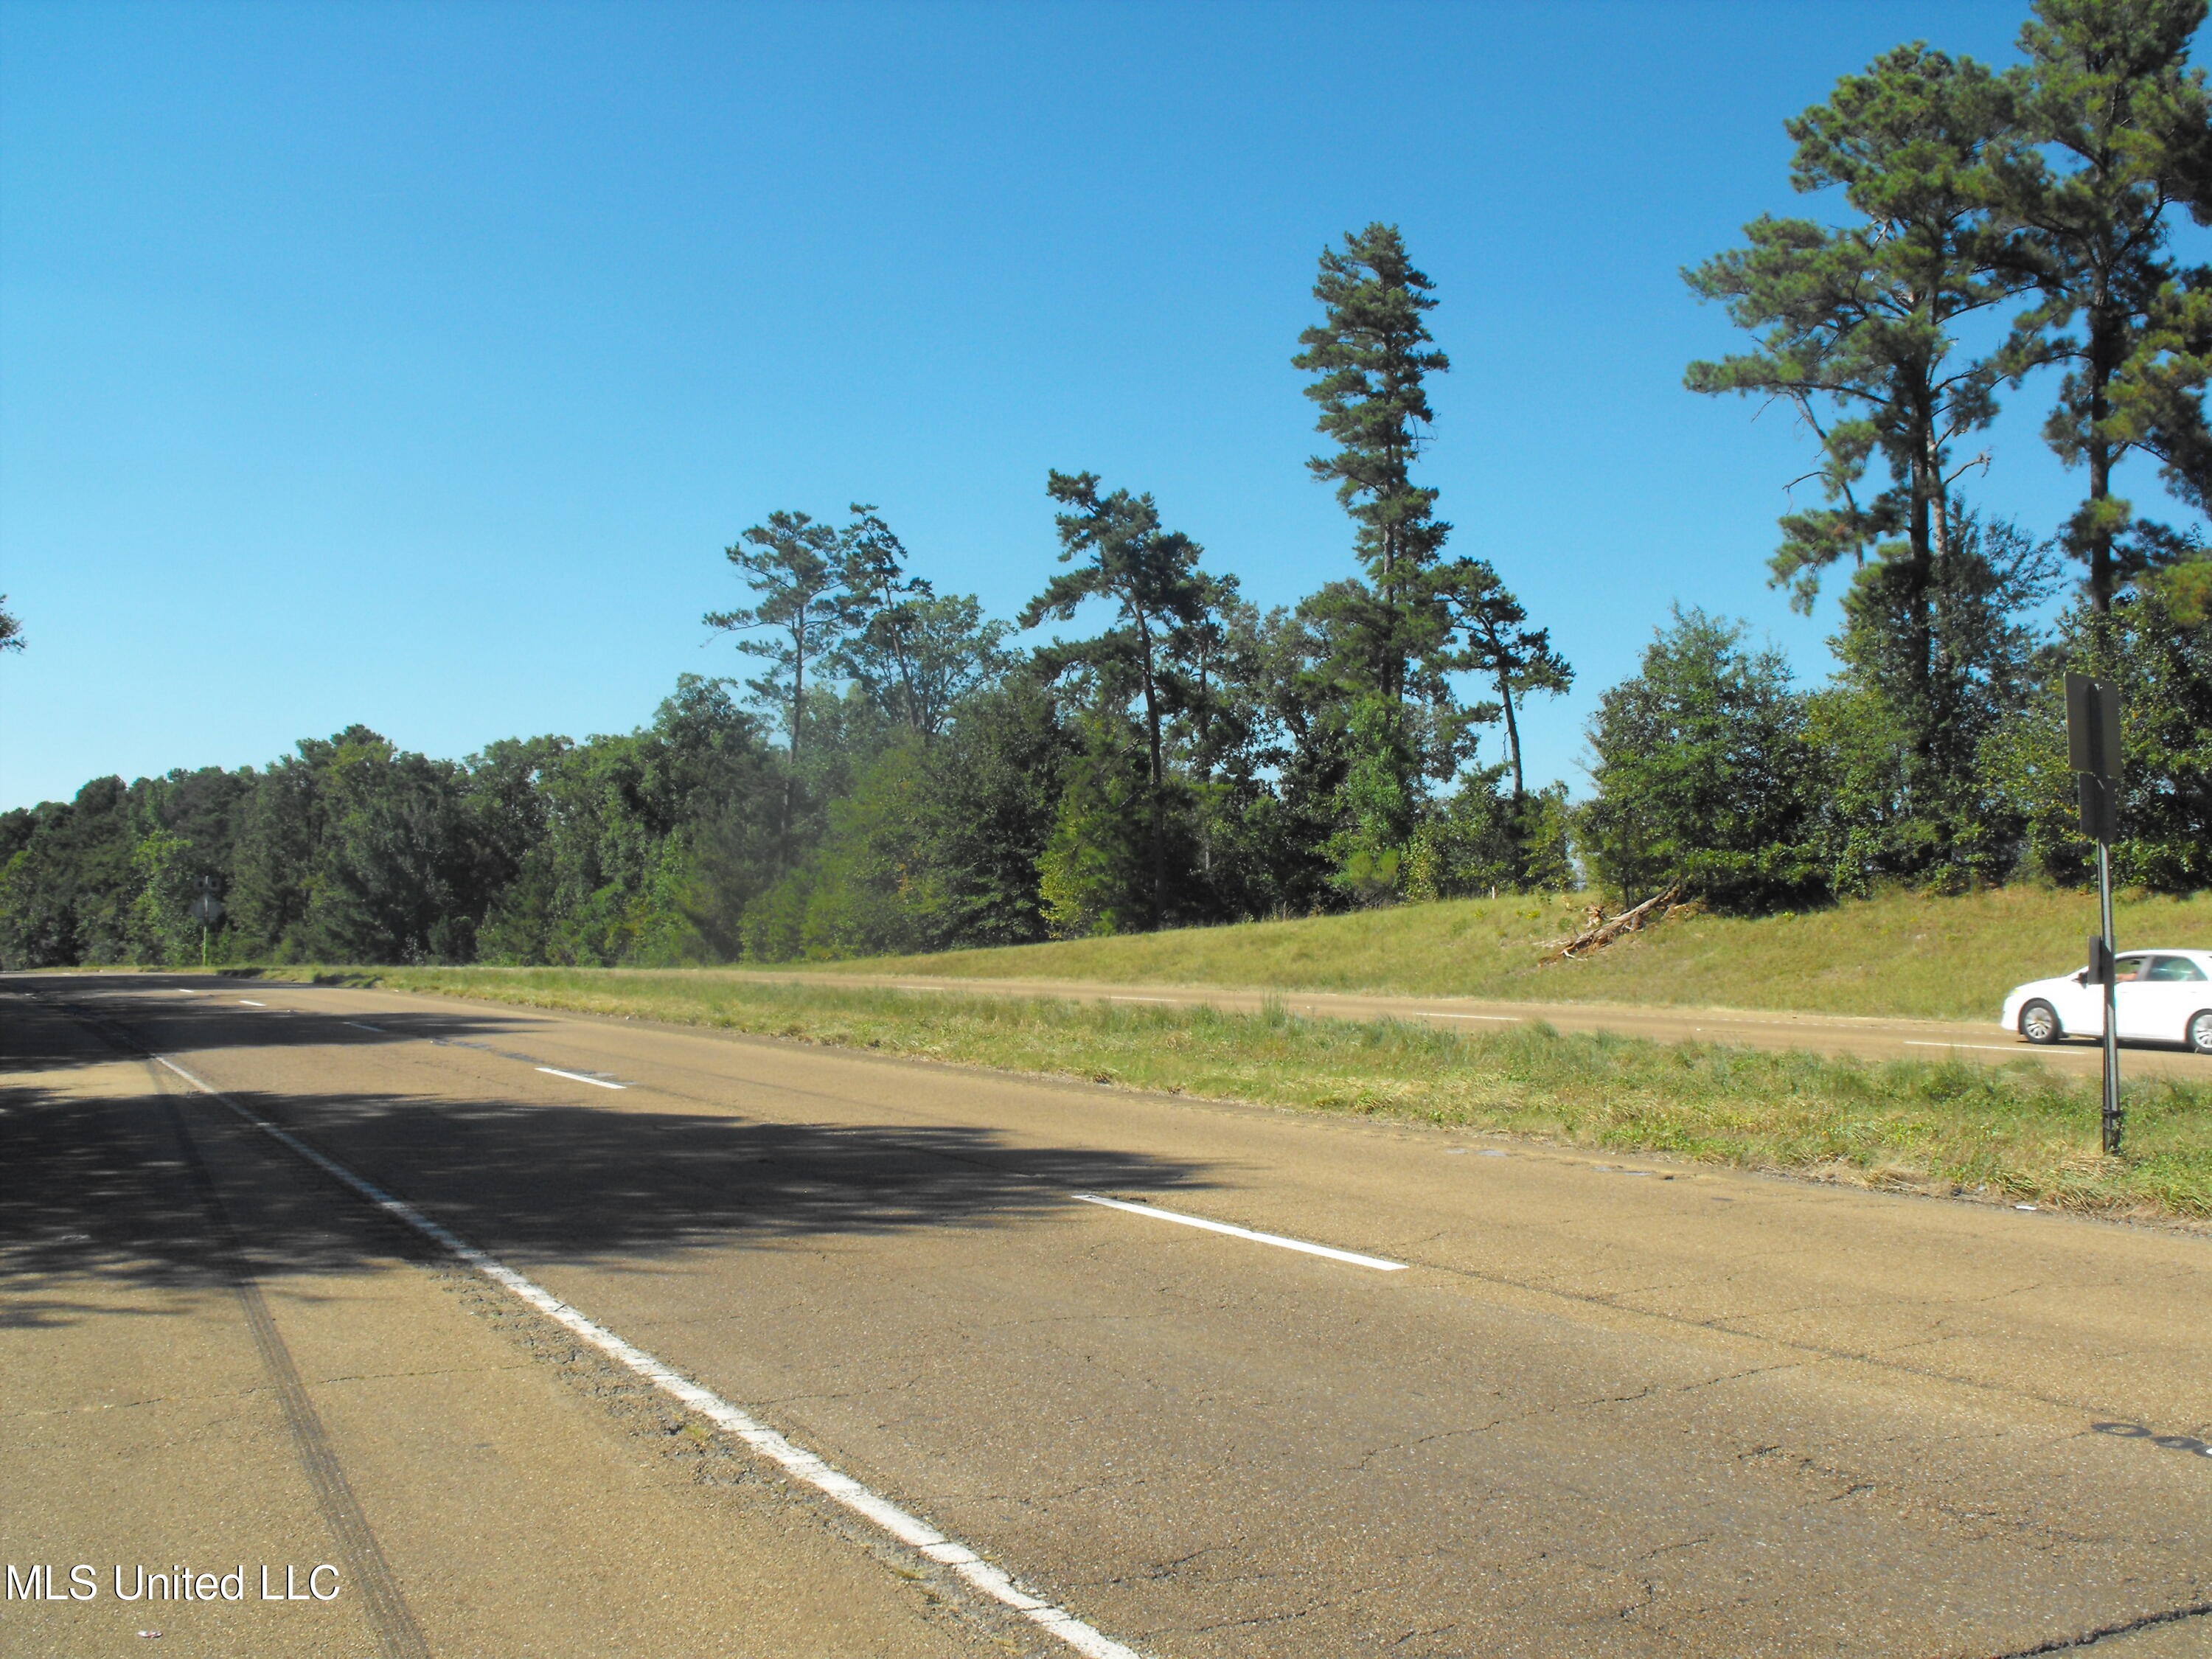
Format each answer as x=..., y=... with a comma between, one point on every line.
x=413, y=364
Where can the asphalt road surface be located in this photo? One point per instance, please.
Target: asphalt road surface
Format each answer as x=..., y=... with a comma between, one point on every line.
x=1835, y=1034
x=1529, y=1403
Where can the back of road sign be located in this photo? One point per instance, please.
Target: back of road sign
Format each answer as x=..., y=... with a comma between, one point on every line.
x=2093, y=726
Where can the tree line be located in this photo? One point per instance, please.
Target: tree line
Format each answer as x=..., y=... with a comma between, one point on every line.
x=897, y=776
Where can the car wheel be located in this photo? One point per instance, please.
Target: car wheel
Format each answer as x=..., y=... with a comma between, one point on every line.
x=2199, y=1031
x=2038, y=1022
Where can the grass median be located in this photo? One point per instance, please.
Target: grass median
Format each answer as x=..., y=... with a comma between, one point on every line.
x=1915, y=955
x=2015, y=1132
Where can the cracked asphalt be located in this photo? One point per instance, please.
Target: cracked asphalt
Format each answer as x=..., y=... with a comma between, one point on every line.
x=1608, y=1409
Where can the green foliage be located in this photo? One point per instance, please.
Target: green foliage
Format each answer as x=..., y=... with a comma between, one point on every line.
x=1122, y=554
x=1703, y=775
x=1543, y=843
x=2059, y=179
x=65, y=894
x=160, y=930
x=1469, y=845
x=913, y=654
x=1401, y=633
x=1371, y=357
x=1499, y=647
x=2105, y=95
x=1375, y=804
x=793, y=566
x=1095, y=875
x=995, y=786
x=875, y=888
x=105, y=878
x=1383, y=637
x=2184, y=589
x=2162, y=664
x=1856, y=325
x=934, y=844
x=1167, y=732
x=654, y=842
x=1907, y=788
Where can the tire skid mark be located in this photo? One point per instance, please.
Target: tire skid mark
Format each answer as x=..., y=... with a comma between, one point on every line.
x=397, y=1635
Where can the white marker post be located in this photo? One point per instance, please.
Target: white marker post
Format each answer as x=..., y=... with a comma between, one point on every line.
x=2092, y=743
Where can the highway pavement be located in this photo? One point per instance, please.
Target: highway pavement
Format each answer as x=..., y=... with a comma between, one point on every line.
x=1195, y=1379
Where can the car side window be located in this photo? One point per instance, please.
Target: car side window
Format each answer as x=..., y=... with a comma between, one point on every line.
x=2167, y=968
x=2127, y=970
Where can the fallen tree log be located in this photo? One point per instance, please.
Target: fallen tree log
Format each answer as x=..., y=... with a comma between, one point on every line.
x=1601, y=931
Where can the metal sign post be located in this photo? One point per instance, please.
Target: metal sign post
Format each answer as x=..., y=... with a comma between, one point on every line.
x=206, y=909
x=2092, y=743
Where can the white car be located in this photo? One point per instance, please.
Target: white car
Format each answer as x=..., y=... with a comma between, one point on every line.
x=2162, y=996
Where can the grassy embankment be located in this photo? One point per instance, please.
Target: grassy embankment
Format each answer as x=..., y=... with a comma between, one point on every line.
x=2015, y=1132
x=1903, y=954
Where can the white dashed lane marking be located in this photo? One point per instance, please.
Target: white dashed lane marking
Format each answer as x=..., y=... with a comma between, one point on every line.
x=1275, y=1239
x=578, y=1077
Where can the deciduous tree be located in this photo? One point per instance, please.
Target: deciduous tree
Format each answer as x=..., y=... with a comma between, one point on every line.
x=1701, y=772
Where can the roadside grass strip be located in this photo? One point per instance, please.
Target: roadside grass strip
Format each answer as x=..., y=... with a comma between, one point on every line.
x=1953, y=1126
x=793, y=1458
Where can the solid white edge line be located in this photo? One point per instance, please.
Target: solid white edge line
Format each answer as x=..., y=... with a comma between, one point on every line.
x=795, y=1460
x=1276, y=1239
x=358, y=1026
x=1994, y=1048
x=250, y=1003
x=1503, y=1020
x=578, y=1077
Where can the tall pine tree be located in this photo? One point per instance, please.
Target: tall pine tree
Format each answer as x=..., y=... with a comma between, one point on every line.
x=1371, y=357
x=2105, y=92
x=801, y=616
x=1121, y=554
x=1858, y=325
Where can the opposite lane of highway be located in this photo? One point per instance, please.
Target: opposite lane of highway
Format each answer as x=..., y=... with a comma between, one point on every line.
x=1869, y=1038
x=1607, y=1409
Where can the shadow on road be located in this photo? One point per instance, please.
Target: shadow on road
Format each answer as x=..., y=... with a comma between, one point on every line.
x=97, y=1183
x=211, y=1018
